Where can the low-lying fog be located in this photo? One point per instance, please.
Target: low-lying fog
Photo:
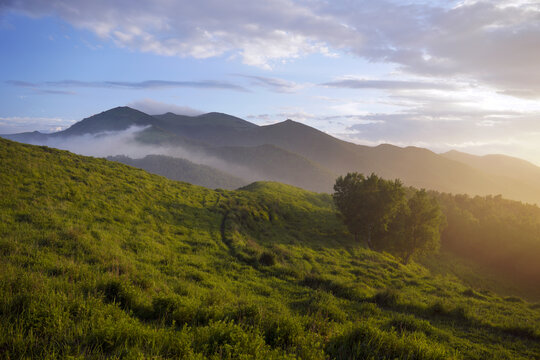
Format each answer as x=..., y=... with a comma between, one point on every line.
x=124, y=142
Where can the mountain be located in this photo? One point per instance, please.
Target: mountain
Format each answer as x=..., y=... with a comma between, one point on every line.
x=302, y=156
x=102, y=260
x=269, y=162
x=499, y=165
x=116, y=119
x=34, y=137
x=209, y=128
x=414, y=166
x=183, y=170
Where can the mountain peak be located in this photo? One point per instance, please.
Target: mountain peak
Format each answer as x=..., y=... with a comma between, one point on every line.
x=288, y=122
x=115, y=119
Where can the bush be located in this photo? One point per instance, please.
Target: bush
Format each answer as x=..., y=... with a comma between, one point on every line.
x=164, y=307
x=336, y=288
x=440, y=308
x=513, y=299
x=473, y=294
x=225, y=340
x=283, y=332
x=525, y=332
x=117, y=292
x=386, y=298
x=246, y=314
x=408, y=323
x=267, y=259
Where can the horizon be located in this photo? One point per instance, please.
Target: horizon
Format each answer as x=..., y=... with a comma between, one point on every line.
x=278, y=122
x=458, y=75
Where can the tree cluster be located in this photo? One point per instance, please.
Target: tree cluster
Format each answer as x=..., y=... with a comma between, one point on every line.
x=380, y=212
x=501, y=235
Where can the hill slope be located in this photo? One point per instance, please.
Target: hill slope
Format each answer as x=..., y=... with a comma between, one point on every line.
x=99, y=259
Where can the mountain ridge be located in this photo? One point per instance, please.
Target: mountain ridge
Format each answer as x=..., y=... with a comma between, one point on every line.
x=215, y=134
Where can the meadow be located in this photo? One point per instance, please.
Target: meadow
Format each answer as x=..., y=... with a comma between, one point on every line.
x=102, y=260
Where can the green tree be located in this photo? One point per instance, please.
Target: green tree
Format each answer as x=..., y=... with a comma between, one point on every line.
x=417, y=227
x=367, y=204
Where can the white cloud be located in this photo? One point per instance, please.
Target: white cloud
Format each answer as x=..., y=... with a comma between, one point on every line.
x=17, y=124
x=256, y=31
x=274, y=84
x=496, y=42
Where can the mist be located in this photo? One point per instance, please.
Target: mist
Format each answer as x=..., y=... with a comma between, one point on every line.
x=124, y=142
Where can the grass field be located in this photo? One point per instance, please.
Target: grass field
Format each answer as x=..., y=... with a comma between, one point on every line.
x=101, y=260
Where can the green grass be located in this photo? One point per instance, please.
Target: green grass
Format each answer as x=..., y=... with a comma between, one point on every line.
x=101, y=260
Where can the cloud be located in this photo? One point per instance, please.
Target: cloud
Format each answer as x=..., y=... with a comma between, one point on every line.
x=494, y=42
x=13, y=125
x=37, y=89
x=274, y=84
x=154, y=107
x=444, y=129
x=354, y=83
x=54, y=92
x=148, y=84
x=258, y=33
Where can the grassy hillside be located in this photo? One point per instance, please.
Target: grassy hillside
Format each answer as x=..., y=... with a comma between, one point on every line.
x=98, y=259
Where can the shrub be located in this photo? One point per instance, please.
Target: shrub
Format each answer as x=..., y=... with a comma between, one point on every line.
x=525, y=332
x=226, y=340
x=246, y=314
x=514, y=299
x=336, y=288
x=283, y=332
x=116, y=291
x=267, y=259
x=164, y=307
x=473, y=294
x=408, y=323
x=443, y=309
x=386, y=298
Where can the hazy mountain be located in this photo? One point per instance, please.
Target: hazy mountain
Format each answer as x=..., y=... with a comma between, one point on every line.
x=183, y=170
x=212, y=128
x=500, y=165
x=269, y=162
x=300, y=155
x=34, y=137
x=414, y=166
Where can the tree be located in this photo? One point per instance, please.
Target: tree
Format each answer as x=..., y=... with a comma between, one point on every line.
x=367, y=205
x=417, y=227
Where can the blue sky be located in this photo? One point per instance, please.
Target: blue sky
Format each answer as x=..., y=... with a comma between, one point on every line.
x=444, y=75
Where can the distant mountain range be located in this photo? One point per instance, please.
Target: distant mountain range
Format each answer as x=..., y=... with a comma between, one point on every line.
x=240, y=152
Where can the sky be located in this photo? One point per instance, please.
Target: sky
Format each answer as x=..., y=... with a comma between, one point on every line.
x=443, y=75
